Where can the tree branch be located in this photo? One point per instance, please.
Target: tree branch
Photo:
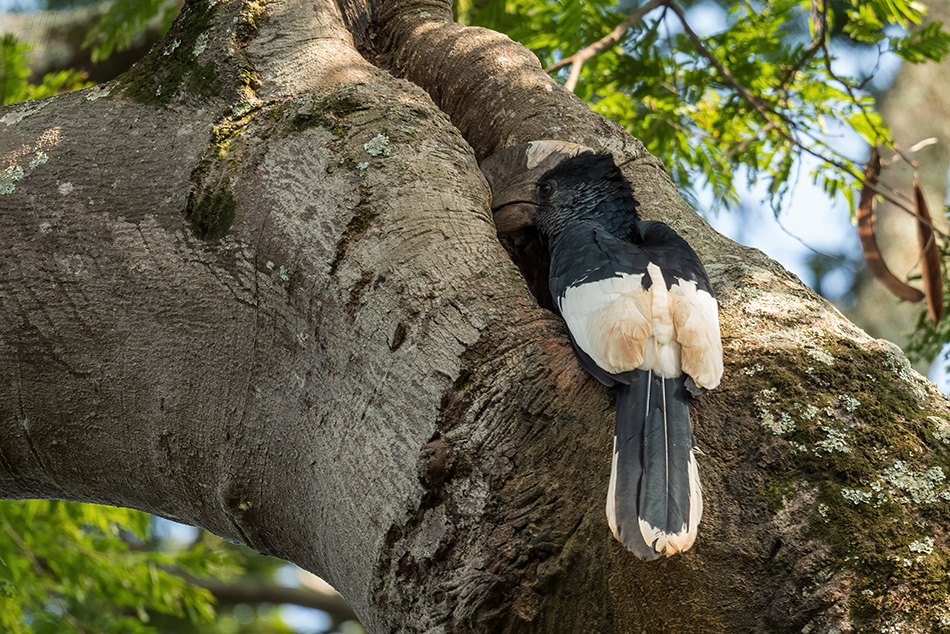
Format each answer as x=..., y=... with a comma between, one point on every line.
x=769, y=113
x=232, y=594
x=354, y=376
x=576, y=61
x=816, y=45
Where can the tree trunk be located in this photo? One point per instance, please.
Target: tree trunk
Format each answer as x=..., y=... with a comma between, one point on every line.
x=253, y=285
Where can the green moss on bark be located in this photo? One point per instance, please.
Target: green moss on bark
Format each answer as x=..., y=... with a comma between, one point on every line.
x=160, y=75
x=212, y=216
x=252, y=17
x=329, y=113
x=874, y=456
x=202, y=81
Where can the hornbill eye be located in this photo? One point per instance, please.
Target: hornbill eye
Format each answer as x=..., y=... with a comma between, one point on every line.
x=545, y=189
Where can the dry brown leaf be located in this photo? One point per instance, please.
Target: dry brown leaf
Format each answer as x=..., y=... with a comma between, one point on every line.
x=872, y=254
x=929, y=257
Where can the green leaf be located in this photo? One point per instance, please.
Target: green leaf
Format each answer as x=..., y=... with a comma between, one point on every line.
x=79, y=560
x=14, y=70
x=123, y=21
x=929, y=43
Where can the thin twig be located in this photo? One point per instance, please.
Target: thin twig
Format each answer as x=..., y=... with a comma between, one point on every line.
x=739, y=147
x=816, y=45
x=27, y=552
x=724, y=72
x=574, y=76
x=576, y=61
x=39, y=571
x=770, y=115
x=854, y=99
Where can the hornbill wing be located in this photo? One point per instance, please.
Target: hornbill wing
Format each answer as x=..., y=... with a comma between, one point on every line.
x=610, y=320
x=692, y=306
x=696, y=319
x=591, y=367
x=603, y=291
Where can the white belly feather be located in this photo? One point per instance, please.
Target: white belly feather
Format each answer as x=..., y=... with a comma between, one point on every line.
x=623, y=327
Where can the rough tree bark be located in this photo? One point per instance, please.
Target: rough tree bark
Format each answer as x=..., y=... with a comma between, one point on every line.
x=253, y=285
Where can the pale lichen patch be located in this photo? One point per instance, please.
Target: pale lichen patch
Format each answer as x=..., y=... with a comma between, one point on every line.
x=941, y=429
x=822, y=356
x=786, y=423
x=809, y=411
x=850, y=403
x=856, y=496
x=244, y=107
x=906, y=563
x=304, y=102
x=896, y=361
x=923, y=487
x=201, y=43
x=72, y=264
x=834, y=441
x=39, y=159
x=23, y=111
x=924, y=546
x=98, y=92
x=378, y=145
x=15, y=117
x=9, y=178
x=779, y=424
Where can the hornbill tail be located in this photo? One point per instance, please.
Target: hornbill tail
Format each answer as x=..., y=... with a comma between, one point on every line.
x=654, y=501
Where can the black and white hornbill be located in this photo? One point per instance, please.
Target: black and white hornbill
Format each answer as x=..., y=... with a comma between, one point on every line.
x=642, y=317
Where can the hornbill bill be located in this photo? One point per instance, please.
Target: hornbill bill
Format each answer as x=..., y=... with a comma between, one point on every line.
x=641, y=316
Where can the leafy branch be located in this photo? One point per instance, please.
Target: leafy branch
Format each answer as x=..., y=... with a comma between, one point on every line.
x=775, y=120
x=576, y=61
x=775, y=99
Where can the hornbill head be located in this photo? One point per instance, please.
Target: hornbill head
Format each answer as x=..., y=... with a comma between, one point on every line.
x=514, y=175
x=585, y=187
x=538, y=186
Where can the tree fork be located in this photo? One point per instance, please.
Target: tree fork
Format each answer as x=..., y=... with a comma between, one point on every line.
x=339, y=365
